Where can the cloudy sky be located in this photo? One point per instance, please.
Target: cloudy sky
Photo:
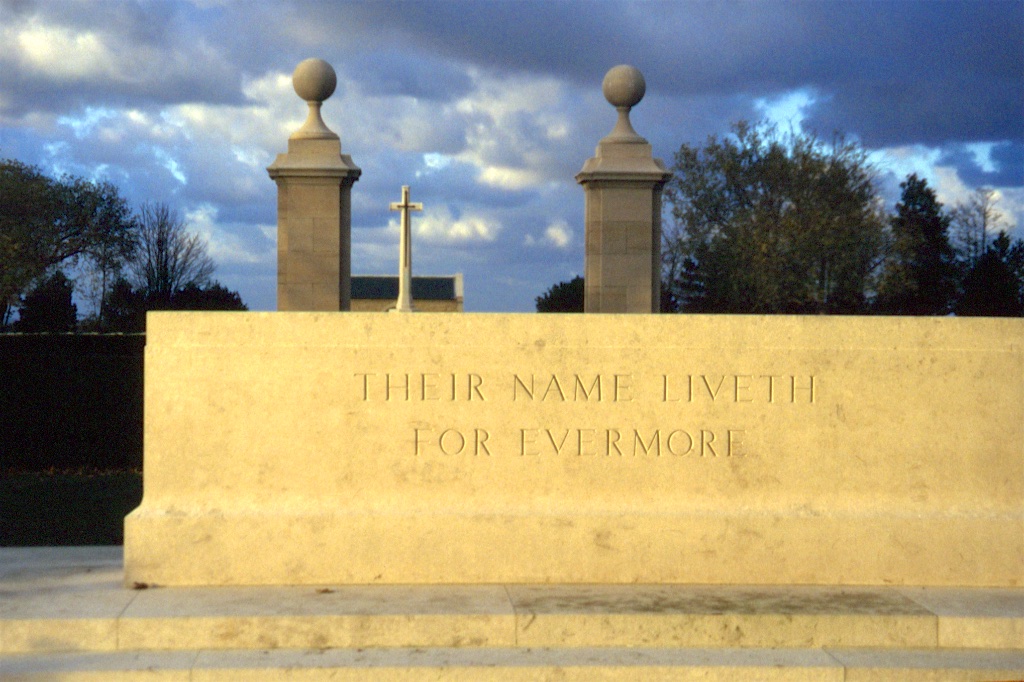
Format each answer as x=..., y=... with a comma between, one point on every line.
x=489, y=108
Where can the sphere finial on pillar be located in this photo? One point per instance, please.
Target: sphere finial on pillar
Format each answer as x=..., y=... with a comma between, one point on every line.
x=314, y=80
x=623, y=184
x=624, y=87
x=314, y=205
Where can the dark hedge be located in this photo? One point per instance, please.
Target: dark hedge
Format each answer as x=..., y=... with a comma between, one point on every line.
x=71, y=401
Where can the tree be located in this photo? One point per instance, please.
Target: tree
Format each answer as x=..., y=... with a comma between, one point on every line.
x=125, y=308
x=45, y=223
x=169, y=257
x=115, y=240
x=212, y=297
x=994, y=285
x=29, y=211
x=763, y=222
x=919, y=276
x=48, y=307
x=971, y=223
x=564, y=297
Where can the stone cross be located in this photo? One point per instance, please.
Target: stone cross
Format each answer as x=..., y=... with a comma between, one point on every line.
x=404, y=303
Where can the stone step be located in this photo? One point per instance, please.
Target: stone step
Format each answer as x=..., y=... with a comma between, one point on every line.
x=65, y=614
x=83, y=606
x=485, y=664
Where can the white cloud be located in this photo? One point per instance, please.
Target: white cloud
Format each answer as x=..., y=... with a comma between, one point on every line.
x=504, y=177
x=558, y=234
x=438, y=225
x=225, y=244
x=273, y=112
x=949, y=188
x=62, y=53
x=84, y=124
x=516, y=127
x=165, y=159
x=902, y=161
x=788, y=109
x=89, y=49
x=1011, y=205
x=368, y=122
x=436, y=161
x=982, y=152
x=142, y=94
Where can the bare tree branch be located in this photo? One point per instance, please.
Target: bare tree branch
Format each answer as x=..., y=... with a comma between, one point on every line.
x=169, y=256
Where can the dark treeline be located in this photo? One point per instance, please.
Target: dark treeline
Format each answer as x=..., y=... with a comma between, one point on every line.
x=67, y=238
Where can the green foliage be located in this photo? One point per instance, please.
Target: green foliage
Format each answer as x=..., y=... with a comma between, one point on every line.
x=920, y=272
x=564, y=297
x=764, y=222
x=48, y=307
x=45, y=223
x=29, y=206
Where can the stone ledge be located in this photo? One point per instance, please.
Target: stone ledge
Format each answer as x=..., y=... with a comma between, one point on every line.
x=839, y=665
x=73, y=600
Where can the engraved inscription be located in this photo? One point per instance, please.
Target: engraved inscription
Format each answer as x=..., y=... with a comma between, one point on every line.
x=451, y=441
x=739, y=388
x=674, y=391
x=584, y=442
x=631, y=442
x=423, y=387
x=572, y=388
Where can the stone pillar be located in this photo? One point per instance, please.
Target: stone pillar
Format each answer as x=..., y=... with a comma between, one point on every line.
x=623, y=185
x=314, y=215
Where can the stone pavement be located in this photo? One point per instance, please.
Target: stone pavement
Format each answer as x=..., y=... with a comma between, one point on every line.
x=64, y=614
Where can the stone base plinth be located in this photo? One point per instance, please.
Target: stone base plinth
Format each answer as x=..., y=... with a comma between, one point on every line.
x=305, y=448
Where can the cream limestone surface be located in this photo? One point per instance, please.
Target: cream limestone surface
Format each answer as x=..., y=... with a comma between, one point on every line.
x=49, y=609
x=313, y=448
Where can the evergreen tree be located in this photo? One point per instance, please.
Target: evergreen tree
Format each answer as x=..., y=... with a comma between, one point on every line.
x=215, y=296
x=919, y=277
x=994, y=286
x=48, y=307
x=564, y=297
x=125, y=309
x=126, y=306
